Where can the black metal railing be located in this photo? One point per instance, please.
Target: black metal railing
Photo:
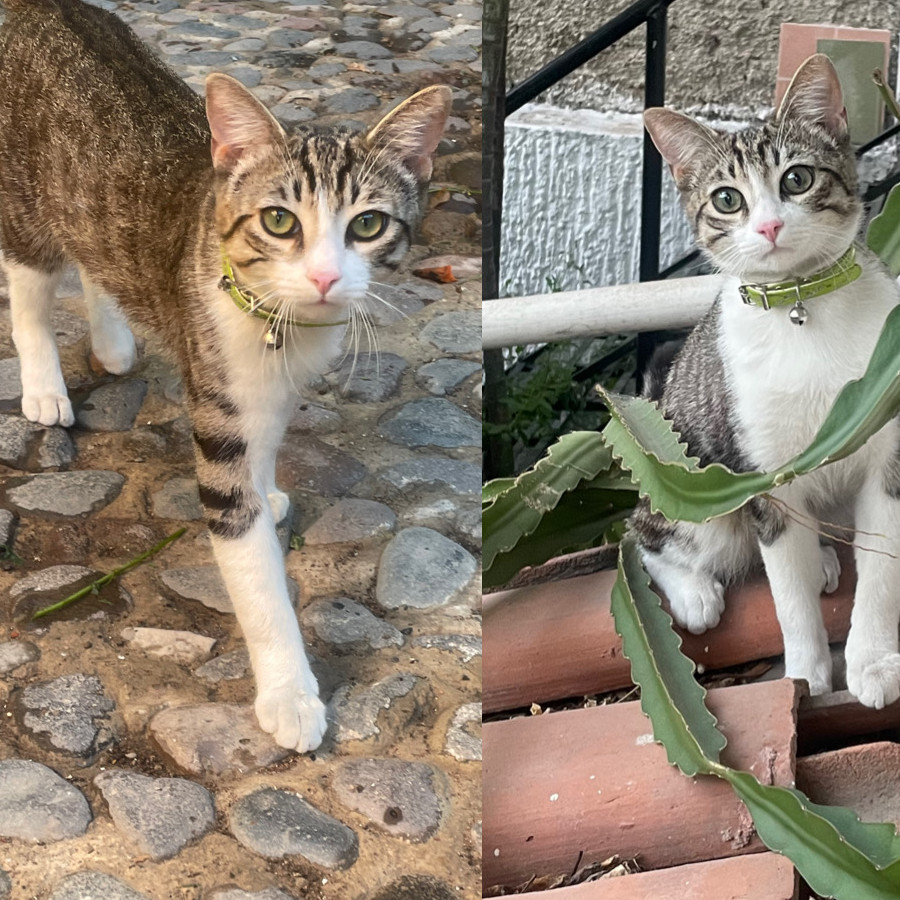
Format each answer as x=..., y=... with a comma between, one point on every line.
x=653, y=14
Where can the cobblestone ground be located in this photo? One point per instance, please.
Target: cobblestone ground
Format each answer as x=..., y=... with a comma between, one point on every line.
x=130, y=763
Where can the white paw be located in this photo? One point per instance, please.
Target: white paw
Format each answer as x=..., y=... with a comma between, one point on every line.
x=48, y=409
x=876, y=684
x=697, y=600
x=831, y=568
x=279, y=503
x=295, y=717
x=816, y=674
x=113, y=344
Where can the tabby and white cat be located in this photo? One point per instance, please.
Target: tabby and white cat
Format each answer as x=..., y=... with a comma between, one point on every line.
x=107, y=160
x=750, y=388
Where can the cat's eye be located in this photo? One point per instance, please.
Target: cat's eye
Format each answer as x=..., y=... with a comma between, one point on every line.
x=728, y=200
x=280, y=222
x=367, y=226
x=797, y=180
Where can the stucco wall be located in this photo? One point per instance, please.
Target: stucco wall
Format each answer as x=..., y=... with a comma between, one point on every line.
x=572, y=197
x=722, y=56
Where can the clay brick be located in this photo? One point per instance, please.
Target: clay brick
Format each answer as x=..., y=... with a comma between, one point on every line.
x=865, y=778
x=577, y=787
x=550, y=641
x=759, y=876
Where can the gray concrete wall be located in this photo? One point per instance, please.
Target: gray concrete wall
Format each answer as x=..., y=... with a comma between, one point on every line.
x=722, y=56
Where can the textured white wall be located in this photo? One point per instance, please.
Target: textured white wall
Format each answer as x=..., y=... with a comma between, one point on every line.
x=572, y=200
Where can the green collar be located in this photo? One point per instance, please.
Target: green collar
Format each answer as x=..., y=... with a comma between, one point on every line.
x=246, y=301
x=796, y=290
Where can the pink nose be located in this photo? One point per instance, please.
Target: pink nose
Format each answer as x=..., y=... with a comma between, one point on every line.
x=323, y=280
x=770, y=229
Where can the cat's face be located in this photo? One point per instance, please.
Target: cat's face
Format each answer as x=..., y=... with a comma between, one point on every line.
x=774, y=202
x=304, y=218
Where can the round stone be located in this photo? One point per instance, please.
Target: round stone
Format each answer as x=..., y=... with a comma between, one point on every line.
x=112, y=407
x=36, y=804
x=67, y=493
x=350, y=520
x=459, y=476
x=341, y=621
x=382, y=711
x=443, y=375
x=455, y=332
x=369, y=377
x=214, y=738
x=433, y=422
x=70, y=713
x=276, y=823
x=159, y=815
x=14, y=654
x=92, y=886
x=178, y=498
x=464, y=735
x=398, y=797
x=422, y=569
x=414, y=887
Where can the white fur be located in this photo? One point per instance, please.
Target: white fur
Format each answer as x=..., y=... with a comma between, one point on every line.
x=31, y=296
x=111, y=338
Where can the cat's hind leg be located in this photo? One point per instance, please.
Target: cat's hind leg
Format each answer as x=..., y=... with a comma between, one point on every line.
x=111, y=339
x=31, y=295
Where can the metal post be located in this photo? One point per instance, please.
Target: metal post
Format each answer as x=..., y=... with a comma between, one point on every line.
x=497, y=454
x=651, y=182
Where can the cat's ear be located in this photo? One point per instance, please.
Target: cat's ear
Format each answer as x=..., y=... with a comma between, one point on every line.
x=238, y=121
x=413, y=129
x=680, y=140
x=814, y=95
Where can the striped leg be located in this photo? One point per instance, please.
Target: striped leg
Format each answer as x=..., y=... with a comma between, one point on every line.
x=234, y=473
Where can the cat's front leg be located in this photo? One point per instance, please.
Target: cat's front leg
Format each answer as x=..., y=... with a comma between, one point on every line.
x=873, y=661
x=287, y=699
x=252, y=566
x=794, y=566
x=31, y=295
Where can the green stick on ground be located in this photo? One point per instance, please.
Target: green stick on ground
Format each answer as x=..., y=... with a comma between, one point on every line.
x=95, y=586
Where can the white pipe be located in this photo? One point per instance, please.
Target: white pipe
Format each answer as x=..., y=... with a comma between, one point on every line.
x=622, y=308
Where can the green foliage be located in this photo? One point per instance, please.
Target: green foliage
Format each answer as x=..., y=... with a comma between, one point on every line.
x=838, y=855
x=883, y=235
x=520, y=522
x=548, y=391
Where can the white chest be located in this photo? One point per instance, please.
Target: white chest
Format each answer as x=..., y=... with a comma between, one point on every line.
x=784, y=378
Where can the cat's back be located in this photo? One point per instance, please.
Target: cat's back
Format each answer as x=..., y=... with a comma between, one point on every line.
x=72, y=74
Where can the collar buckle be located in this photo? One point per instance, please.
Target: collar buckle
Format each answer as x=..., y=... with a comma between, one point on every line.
x=760, y=289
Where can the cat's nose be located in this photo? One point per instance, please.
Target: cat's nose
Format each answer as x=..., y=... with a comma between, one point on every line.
x=324, y=279
x=770, y=229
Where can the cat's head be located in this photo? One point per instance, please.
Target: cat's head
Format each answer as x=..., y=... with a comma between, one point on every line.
x=303, y=217
x=773, y=202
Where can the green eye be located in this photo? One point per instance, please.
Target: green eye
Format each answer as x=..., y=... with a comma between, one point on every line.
x=797, y=180
x=279, y=222
x=367, y=226
x=728, y=200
